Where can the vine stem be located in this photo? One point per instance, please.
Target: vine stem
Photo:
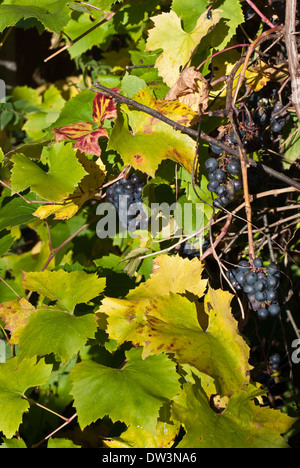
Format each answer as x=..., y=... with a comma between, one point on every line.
x=248, y=55
x=292, y=52
x=105, y=20
x=68, y=421
x=263, y=17
x=54, y=252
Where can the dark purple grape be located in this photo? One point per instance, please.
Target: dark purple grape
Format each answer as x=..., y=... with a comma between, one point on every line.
x=257, y=262
x=134, y=179
x=233, y=167
x=212, y=185
x=221, y=190
x=262, y=314
x=272, y=269
x=251, y=278
x=216, y=149
x=260, y=296
x=220, y=175
x=272, y=295
x=248, y=289
x=274, y=310
x=259, y=286
x=211, y=164
x=272, y=282
x=237, y=184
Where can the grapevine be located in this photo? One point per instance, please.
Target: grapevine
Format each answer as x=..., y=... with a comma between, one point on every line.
x=149, y=225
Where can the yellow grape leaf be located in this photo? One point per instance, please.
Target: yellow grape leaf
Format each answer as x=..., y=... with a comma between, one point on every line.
x=15, y=315
x=164, y=315
x=178, y=45
x=136, y=437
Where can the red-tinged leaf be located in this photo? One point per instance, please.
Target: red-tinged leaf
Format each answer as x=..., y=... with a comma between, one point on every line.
x=89, y=143
x=86, y=138
x=74, y=131
x=103, y=108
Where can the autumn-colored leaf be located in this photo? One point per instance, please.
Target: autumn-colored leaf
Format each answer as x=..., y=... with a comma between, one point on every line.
x=191, y=89
x=85, y=134
x=15, y=315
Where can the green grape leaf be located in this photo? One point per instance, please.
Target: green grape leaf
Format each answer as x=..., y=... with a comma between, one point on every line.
x=6, y=241
x=15, y=378
x=13, y=443
x=242, y=424
x=48, y=111
x=54, y=15
x=65, y=172
x=77, y=27
x=232, y=15
x=189, y=11
x=66, y=288
x=77, y=109
x=16, y=211
x=89, y=186
x=142, y=386
x=61, y=443
x=54, y=331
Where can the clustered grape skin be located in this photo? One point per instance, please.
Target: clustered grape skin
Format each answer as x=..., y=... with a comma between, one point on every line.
x=123, y=194
x=218, y=178
x=260, y=284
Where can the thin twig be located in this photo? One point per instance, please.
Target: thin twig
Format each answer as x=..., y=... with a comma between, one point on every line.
x=292, y=52
x=72, y=42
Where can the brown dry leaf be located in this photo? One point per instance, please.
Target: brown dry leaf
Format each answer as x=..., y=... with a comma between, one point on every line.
x=191, y=89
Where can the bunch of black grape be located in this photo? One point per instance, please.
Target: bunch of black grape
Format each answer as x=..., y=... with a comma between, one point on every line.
x=222, y=179
x=191, y=249
x=279, y=117
x=260, y=284
x=126, y=196
x=268, y=112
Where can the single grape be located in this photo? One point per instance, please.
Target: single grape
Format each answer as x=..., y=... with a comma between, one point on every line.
x=262, y=314
x=211, y=164
x=248, y=289
x=212, y=185
x=259, y=285
x=251, y=277
x=240, y=277
x=275, y=358
x=272, y=282
x=274, y=310
x=272, y=295
x=237, y=184
x=272, y=269
x=135, y=180
x=233, y=168
x=260, y=296
x=257, y=262
x=216, y=149
x=221, y=190
x=220, y=175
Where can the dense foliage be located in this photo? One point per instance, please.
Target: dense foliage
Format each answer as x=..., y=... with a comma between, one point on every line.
x=149, y=225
